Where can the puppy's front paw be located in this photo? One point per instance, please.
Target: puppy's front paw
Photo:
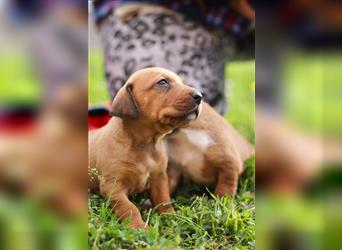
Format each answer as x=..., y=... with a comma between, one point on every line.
x=166, y=209
x=230, y=192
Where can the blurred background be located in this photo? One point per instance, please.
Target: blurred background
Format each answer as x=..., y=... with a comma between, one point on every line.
x=298, y=124
x=43, y=124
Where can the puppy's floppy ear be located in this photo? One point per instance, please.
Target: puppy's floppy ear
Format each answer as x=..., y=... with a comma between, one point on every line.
x=124, y=104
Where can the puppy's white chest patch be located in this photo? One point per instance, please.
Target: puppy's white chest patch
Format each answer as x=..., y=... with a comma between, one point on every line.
x=187, y=148
x=149, y=165
x=150, y=161
x=143, y=182
x=199, y=138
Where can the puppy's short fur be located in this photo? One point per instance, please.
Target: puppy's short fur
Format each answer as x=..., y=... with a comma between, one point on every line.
x=129, y=153
x=208, y=151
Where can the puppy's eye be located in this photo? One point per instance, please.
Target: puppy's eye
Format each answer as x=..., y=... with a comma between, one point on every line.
x=163, y=83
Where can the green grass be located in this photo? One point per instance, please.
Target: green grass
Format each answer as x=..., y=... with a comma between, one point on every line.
x=97, y=89
x=26, y=224
x=19, y=83
x=240, y=92
x=312, y=92
x=201, y=220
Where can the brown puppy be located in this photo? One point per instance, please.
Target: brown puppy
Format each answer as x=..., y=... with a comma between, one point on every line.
x=129, y=152
x=48, y=162
x=208, y=151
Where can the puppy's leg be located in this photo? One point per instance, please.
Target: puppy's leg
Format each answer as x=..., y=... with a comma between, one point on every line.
x=174, y=175
x=227, y=182
x=123, y=207
x=159, y=193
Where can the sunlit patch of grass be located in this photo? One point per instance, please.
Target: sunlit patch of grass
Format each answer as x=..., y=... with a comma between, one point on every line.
x=240, y=93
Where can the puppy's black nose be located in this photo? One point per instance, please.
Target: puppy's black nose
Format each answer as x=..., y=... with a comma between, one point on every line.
x=197, y=96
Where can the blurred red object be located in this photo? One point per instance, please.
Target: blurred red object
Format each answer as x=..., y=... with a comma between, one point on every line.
x=98, y=116
x=17, y=121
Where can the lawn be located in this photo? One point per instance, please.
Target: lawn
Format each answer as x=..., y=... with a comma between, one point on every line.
x=201, y=220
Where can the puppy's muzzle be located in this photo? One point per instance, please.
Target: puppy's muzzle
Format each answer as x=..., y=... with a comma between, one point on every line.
x=197, y=97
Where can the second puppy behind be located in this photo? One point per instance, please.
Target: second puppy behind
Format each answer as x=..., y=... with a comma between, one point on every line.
x=209, y=151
